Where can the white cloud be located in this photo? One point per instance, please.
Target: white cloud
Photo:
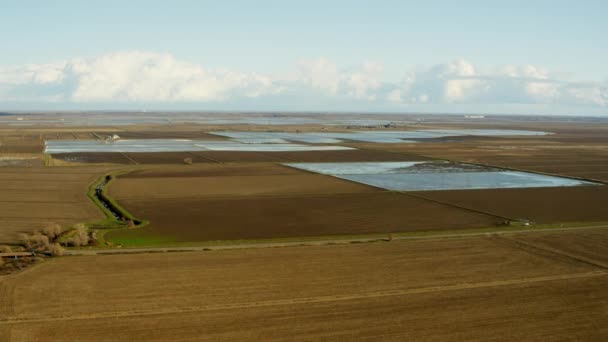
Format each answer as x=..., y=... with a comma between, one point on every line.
x=147, y=77
x=134, y=76
x=461, y=82
x=358, y=82
x=143, y=76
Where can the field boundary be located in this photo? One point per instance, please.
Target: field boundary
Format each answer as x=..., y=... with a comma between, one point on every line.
x=323, y=241
x=111, y=222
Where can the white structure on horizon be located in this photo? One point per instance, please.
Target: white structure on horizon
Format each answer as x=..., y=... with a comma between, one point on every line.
x=112, y=138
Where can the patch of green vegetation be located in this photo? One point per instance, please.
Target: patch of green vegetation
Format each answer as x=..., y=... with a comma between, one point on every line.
x=110, y=223
x=139, y=238
x=47, y=159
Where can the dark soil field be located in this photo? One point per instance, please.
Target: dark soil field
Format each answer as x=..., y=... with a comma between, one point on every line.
x=281, y=216
x=235, y=157
x=346, y=156
x=264, y=201
x=540, y=205
x=474, y=289
x=204, y=182
x=93, y=158
x=166, y=158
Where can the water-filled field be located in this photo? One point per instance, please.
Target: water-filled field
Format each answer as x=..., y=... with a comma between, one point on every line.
x=436, y=175
x=129, y=119
x=174, y=145
x=376, y=136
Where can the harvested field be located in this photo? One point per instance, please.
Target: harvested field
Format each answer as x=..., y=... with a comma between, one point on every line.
x=590, y=244
x=33, y=197
x=13, y=143
x=183, y=219
x=541, y=205
x=388, y=291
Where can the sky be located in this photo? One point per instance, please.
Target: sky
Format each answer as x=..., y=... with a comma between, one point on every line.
x=520, y=57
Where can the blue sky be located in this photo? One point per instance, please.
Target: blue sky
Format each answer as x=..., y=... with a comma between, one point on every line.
x=480, y=56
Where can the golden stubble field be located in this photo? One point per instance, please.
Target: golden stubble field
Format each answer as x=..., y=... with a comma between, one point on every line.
x=482, y=288
x=33, y=197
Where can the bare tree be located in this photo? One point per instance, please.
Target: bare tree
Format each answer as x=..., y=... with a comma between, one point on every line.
x=55, y=249
x=78, y=236
x=52, y=230
x=35, y=241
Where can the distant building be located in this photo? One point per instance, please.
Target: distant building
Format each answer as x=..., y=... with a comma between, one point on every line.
x=474, y=116
x=112, y=138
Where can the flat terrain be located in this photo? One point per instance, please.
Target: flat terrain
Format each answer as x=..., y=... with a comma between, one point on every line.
x=33, y=197
x=540, y=205
x=200, y=203
x=240, y=180
x=589, y=245
x=544, y=285
x=232, y=157
x=574, y=150
x=474, y=289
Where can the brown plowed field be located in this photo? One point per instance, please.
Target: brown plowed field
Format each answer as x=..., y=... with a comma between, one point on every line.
x=254, y=201
x=345, y=156
x=148, y=188
x=93, y=157
x=542, y=205
x=166, y=157
x=238, y=156
x=292, y=215
x=33, y=197
x=451, y=290
x=211, y=170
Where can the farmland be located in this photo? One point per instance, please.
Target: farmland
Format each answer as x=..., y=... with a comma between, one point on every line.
x=272, y=252
x=33, y=197
x=388, y=291
x=546, y=205
x=272, y=202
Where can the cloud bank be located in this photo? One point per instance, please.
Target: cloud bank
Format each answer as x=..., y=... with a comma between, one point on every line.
x=149, y=78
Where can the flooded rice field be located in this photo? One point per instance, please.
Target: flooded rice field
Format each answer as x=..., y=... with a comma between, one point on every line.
x=174, y=145
x=375, y=136
x=436, y=175
x=125, y=119
x=264, y=141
